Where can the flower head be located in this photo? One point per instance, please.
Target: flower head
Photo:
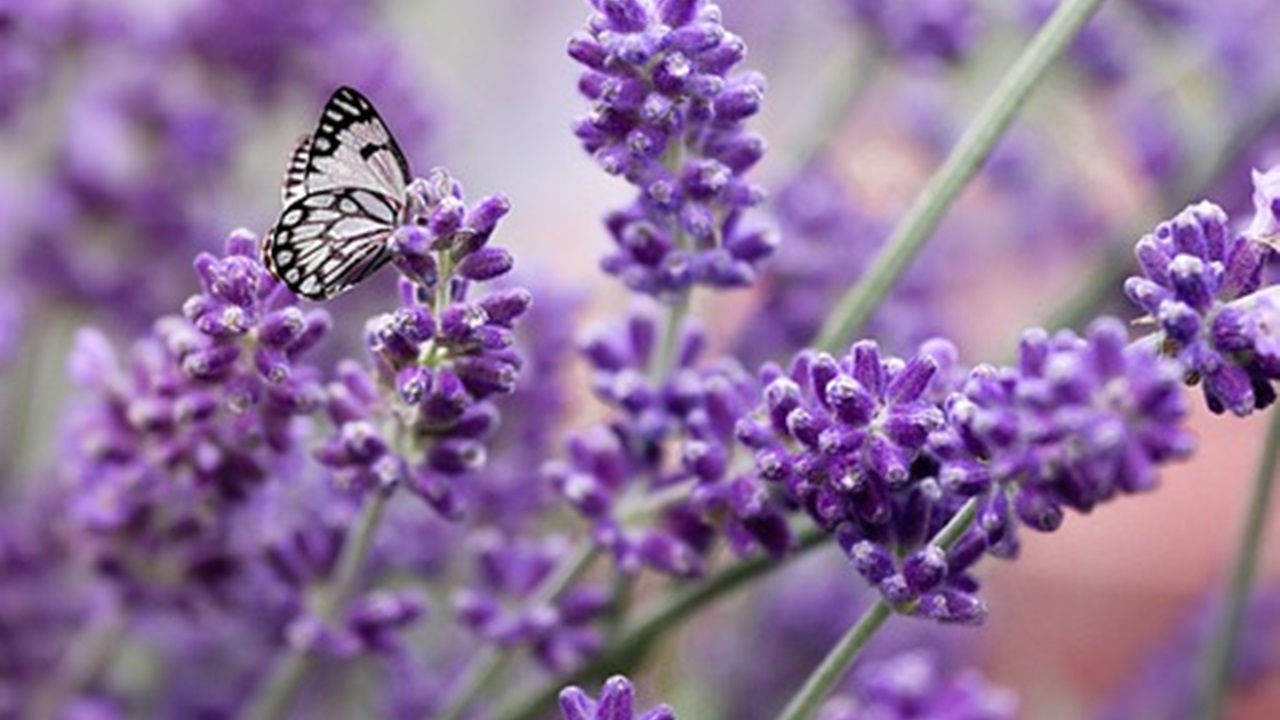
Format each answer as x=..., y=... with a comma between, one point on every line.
x=669, y=116
x=1197, y=274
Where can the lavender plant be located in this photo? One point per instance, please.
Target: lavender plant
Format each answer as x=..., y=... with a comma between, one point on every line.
x=462, y=505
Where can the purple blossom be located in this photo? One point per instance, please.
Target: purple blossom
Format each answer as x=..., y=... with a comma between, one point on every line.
x=616, y=702
x=1197, y=274
x=911, y=686
x=847, y=440
x=1076, y=422
x=882, y=452
x=437, y=360
x=166, y=441
x=669, y=116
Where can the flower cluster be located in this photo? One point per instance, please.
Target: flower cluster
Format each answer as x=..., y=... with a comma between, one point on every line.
x=437, y=359
x=669, y=117
x=1198, y=276
x=882, y=452
x=197, y=415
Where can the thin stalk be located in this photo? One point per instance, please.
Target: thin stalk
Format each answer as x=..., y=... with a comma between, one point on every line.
x=664, y=361
x=807, y=700
x=966, y=158
x=273, y=696
x=833, y=667
x=1223, y=646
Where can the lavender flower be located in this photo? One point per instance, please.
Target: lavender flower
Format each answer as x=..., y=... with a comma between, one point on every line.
x=162, y=450
x=846, y=440
x=1197, y=273
x=669, y=117
x=882, y=452
x=911, y=686
x=616, y=702
x=437, y=359
x=1075, y=423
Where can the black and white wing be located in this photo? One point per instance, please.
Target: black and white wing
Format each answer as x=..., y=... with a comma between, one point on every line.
x=352, y=147
x=327, y=241
x=343, y=196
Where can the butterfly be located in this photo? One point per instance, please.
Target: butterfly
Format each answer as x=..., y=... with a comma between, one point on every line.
x=344, y=196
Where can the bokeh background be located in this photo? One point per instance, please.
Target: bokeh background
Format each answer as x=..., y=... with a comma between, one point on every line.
x=135, y=134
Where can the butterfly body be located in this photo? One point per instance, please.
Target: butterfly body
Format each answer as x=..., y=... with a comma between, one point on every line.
x=344, y=195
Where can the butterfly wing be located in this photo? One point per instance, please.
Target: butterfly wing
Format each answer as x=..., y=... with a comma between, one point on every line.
x=352, y=147
x=327, y=241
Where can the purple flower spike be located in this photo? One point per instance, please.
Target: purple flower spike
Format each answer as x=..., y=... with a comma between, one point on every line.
x=175, y=438
x=859, y=443
x=617, y=702
x=1077, y=422
x=857, y=424
x=668, y=115
x=445, y=355
x=1199, y=282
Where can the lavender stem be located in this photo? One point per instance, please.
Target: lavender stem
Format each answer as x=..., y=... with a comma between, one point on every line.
x=806, y=701
x=966, y=158
x=1221, y=655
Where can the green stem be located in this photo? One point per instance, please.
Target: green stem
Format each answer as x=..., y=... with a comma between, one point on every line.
x=806, y=701
x=491, y=663
x=1221, y=654
x=970, y=152
x=664, y=361
x=273, y=696
x=833, y=667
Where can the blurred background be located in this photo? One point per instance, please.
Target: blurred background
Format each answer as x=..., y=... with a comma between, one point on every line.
x=135, y=134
